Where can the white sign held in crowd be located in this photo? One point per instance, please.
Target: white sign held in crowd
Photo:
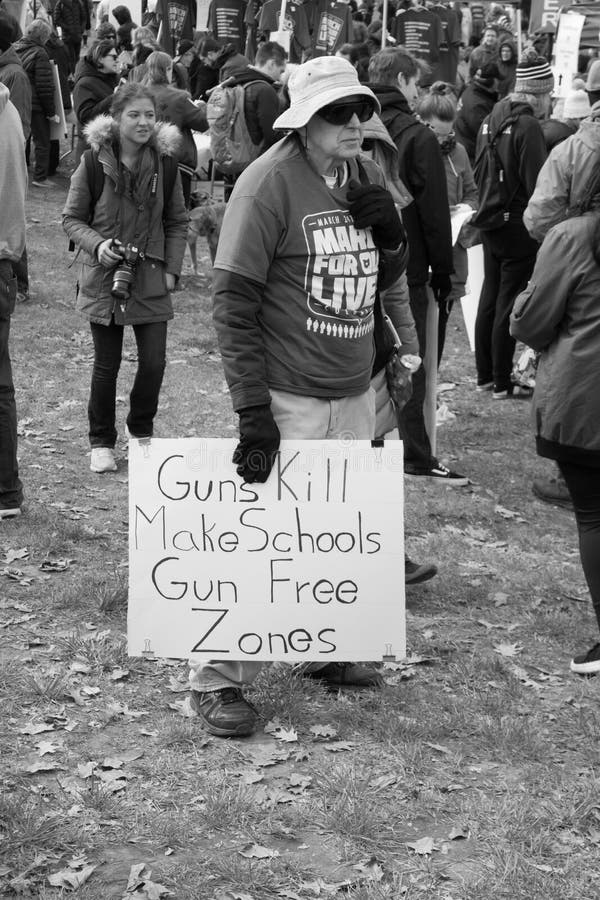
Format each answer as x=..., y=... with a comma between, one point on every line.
x=470, y=302
x=58, y=130
x=566, y=52
x=309, y=566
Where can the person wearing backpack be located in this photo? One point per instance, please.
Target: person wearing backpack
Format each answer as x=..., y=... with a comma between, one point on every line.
x=241, y=112
x=125, y=214
x=510, y=153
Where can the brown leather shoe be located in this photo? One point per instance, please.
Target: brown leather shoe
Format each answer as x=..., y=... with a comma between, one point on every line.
x=225, y=713
x=340, y=674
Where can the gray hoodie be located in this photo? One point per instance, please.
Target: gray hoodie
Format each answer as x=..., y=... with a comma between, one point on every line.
x=564, y=177
x=13, y=180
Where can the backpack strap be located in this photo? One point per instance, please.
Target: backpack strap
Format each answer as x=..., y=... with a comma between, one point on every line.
x=169, y=176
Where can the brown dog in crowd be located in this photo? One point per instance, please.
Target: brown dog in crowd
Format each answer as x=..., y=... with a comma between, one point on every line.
x=206, y=218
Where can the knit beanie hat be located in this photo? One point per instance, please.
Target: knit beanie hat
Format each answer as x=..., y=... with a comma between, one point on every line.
x=534, y=75
x=577, y=105
x=6, y=32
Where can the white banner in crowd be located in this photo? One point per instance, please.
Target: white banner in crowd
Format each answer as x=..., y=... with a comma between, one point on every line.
x=566, y=52
x=470, y=301
x=309, y=566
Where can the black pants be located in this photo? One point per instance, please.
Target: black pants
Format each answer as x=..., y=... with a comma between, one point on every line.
x=583, y=483
x=417, y=446
x=508, y=260
x=151, y=340
x=11, y=489
x=40, y=135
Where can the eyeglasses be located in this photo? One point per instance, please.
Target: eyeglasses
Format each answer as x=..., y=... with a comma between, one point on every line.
x=341, y=113
x=112, y=55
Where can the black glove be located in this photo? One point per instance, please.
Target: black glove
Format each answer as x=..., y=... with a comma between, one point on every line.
x=373, y=205
x=259, y=442
x=441, y=285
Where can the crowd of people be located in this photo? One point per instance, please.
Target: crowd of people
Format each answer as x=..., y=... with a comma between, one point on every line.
x=337, y=239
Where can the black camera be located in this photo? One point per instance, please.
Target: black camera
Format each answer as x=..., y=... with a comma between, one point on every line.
x=125, y=272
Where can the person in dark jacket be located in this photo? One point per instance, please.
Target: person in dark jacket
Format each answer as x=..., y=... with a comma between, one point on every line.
x=204, y=71
x=558, y=314
x=13, y=75
x=69, y=16
x=261, y=98
x=476, y=102
x=95, y=83
x=176, y=106
x=136, y=207
x=507, y=67
x=36, y=62
x=508, y=250
x=393, y=75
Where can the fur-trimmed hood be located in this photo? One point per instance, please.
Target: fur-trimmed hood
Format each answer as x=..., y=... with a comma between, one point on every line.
x=103, y=130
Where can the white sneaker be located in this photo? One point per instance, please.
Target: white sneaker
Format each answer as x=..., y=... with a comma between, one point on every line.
x=103, y=460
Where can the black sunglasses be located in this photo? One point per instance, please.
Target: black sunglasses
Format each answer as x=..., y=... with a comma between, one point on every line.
x=341, y=113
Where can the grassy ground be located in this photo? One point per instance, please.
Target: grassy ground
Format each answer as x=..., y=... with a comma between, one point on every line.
x=470, y=776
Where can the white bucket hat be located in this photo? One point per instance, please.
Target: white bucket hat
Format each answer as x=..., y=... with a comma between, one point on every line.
x=316, y=84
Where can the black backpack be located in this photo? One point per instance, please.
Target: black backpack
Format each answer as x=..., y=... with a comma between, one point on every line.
x=494, y=195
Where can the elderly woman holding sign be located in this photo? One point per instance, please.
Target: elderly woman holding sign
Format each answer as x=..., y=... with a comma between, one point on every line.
x=310, y=235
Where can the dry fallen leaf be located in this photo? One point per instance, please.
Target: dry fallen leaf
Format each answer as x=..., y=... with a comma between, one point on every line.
x=423, y=847
x=324, y=731
x=44, y=747
x=255, y=851
x=507, y=649
x=339, y=746
x=71, y=879
x=458, y=832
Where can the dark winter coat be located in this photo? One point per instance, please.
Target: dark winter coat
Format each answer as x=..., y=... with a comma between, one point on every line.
x=476, y=102
x=558, y=314
x=508, y=70
x=175, y=106
x=36, y=62
x=92, y=93
x=421, y=168
x=261, y=104
x=203, y=77
x=14, y=76
x=160, y=233
x=521, y=149
x=70, y=17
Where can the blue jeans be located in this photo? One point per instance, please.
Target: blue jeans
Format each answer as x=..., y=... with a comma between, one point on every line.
x=151, y=340
x=11, y=489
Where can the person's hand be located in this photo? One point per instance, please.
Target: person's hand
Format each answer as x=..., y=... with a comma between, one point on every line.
x=373, y=205
x=55, y=119
x=200, y=104
x=441, y=285
x=259, y=442
x=107, y=256
x=170, y=281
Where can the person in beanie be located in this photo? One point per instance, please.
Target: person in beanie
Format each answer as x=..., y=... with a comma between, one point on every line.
x=476, y=102
x=296, y=341
x=509, y=251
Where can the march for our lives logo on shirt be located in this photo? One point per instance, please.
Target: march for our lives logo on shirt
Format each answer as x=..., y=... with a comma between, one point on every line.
x=341, y=275
x=330, y=27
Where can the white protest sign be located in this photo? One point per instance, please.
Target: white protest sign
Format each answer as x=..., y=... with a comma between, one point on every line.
x=58, y=130
x=309, y=566
x=470, y=302
x=566, y=52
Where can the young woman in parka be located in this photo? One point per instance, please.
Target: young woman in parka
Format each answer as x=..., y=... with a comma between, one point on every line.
x=133, y=209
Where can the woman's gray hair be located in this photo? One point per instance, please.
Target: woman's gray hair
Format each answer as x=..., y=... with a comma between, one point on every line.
x=538, y=102
x=38, y=30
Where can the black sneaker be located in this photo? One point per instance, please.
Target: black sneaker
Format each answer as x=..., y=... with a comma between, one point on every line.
x=415, y=573
x=587, y=663
x=225, y=713
x=437, y=473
